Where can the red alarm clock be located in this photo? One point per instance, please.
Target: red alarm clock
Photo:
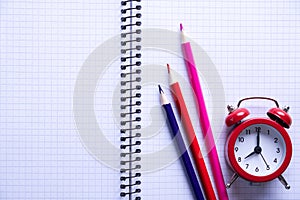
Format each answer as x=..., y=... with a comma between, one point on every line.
x=258, y=149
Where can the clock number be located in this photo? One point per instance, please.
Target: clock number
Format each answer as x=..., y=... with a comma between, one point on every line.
x=257, y=129
x=236, y=149
x=275, y=160
x=247, y=165
x=241, y=139
x=239, y=159
x=276, y=140
x=247, y=131
x=268, y=132
x=256, y=169
x=278, y=150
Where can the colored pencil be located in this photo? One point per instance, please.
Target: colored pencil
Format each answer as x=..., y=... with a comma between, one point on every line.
x=203, y=117
x=192, y=138
x=181, y=146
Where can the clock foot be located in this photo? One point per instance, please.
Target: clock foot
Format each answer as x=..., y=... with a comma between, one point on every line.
x=284, y=182
x=232, y=180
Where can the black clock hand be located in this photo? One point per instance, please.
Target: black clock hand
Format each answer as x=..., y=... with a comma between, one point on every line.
x=257, y=150
x=268, y=166
x=258, y=138
x=250, y=154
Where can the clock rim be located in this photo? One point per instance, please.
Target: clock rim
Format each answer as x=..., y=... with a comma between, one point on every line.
x=233, y=137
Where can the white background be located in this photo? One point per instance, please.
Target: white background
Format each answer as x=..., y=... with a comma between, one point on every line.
x=43, y=44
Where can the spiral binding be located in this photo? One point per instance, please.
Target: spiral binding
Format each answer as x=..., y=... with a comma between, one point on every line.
x=130, y=99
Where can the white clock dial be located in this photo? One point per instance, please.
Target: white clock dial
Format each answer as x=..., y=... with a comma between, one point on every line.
x=259, y=150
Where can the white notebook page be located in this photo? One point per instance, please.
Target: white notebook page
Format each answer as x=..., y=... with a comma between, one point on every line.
x=253, y=46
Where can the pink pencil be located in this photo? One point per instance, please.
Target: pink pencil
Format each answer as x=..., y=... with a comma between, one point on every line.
x=203, y=117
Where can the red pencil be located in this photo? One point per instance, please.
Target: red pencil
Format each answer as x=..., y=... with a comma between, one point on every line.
x=190, y=132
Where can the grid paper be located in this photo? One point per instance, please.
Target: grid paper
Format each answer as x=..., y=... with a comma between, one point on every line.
x=254, y=46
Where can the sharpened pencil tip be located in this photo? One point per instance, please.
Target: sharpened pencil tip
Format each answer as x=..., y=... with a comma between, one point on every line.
x=181, y=27
x=168, y=67
x=160, y=90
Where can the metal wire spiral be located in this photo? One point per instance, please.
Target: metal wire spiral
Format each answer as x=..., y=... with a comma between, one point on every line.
x=130, y=99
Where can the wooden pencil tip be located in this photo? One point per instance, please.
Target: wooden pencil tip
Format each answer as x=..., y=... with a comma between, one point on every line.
x=160, y=90
x=168, y=67
x=181, y=27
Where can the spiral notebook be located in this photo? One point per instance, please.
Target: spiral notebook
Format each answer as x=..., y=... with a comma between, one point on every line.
x=80, y=116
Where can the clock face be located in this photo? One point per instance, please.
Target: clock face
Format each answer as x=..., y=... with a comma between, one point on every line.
x=259, y=149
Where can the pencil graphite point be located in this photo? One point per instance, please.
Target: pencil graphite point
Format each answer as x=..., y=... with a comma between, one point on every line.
x=181, y=27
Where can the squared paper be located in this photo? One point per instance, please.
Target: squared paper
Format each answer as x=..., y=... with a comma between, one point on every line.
x=253, y=45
